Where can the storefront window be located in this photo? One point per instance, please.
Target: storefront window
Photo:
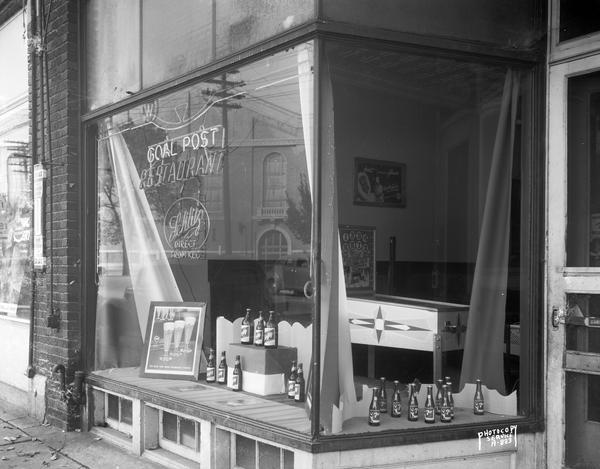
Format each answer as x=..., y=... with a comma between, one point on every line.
x=422, y=225
x=167, y=39
x=15, y=174
x=183, y=225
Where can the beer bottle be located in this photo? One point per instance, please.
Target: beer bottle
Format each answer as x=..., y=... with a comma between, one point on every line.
x=236, y=377
x=439, y=396
x=299, y=391
x=396, y=401
x=259, y=330
x=271, y=332
x=222, y=370
x=450, y=398
x=291, y=384
x=478, y=400
x=211, y=374
x=382, y=397
x=445, y=411
x=429, y=409
x=374, y=412
x=413, y=404
x=247, y=333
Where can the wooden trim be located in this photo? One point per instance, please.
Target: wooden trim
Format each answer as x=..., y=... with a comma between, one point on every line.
x=582, y=362
x=436, y=44
x=578, y=47
x=245, y=425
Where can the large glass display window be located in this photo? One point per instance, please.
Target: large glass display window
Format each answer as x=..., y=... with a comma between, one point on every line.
x=15, y=175
x=426, y=285
x=421, y=193
x=204, y=217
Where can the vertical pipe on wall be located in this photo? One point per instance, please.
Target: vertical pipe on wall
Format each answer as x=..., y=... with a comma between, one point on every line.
x=315, y=421
x=32, y=24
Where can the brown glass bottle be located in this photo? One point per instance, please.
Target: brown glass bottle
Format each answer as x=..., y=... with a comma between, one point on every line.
x=450, y=398
x=374, y=412
x=439, y=396
x=396, y=401
x=382, y=396
x=291, y=384
x=413, y=404
x=429, y=408
x=259, y=330
x=445, y=410
x=478, y=404
x=299, y=391
x=236, y=376
x=247, y=331
x=271, y=333
x=211, y=369
x=222, y=370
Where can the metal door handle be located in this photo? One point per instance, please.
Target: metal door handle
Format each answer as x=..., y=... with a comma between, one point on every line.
x=559, y=316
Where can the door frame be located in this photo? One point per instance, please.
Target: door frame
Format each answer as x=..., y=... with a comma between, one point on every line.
x=560, y=279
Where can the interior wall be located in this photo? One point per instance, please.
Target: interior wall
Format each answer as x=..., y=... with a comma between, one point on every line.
x=375, y=125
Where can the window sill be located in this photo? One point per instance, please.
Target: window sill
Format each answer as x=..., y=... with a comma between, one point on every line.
x=411, y=433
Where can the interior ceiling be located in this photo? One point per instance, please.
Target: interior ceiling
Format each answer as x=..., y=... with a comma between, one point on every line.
x=439, y=81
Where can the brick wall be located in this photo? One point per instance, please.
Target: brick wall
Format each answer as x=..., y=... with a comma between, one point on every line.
x=56, y=142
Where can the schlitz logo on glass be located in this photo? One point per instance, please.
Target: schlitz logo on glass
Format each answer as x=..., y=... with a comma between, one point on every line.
x=186, y=227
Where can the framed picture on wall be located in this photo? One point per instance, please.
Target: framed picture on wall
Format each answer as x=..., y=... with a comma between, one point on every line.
x=379, y=183
x=173, y=344
x=358, y=257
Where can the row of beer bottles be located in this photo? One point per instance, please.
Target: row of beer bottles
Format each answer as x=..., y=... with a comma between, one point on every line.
x=219, y=374
x=442, y=405
x=296, y=385
x=258, y=331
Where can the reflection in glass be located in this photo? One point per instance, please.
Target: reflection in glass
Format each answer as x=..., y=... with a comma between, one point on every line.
x=245, y=452
x=203, y=196
x=187, y=433
x=169, y=426
x=126, y=411
x=16, y=212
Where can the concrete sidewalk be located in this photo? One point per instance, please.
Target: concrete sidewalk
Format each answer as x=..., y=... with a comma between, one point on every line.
x=26, y=443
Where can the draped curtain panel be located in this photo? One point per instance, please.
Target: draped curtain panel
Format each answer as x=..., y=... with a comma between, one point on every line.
x=484, y=343
x=338, y=395
x=151, y=275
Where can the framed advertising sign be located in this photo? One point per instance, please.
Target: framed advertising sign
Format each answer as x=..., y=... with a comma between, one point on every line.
x=358, y=257
x=379, y=183
x=173, y=344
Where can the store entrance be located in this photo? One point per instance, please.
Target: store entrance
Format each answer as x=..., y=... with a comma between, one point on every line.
x=573, y=274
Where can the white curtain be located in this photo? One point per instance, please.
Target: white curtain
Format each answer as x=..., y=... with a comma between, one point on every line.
x=151, y=275
x=484, y=343
x=338, y=395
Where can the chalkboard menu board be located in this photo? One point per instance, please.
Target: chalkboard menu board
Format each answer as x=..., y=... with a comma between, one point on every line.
x=358, y=256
